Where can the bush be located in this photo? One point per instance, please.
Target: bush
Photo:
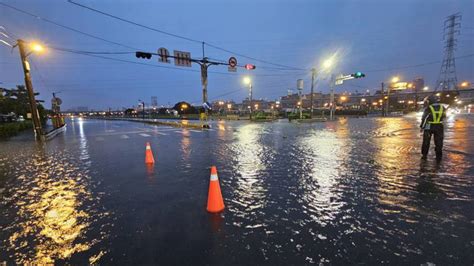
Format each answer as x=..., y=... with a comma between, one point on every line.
x=11, y=129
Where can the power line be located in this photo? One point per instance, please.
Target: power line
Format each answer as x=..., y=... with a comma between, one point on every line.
x=417, y=65
x=135, y=23
x=66, y=27
x=252, y=58
x=89, y=52
x=179, y=36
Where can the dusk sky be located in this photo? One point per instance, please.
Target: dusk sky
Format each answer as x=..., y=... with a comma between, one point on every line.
x=374, y=37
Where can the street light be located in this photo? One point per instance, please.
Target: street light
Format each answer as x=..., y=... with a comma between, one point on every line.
x=248, y=82
x=426, y=88
x=37, y=47
x=343, y=98
x=464, y=84
x=395, y=79
x=22, y=47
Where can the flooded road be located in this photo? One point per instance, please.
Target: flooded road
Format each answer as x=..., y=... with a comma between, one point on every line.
x=343, y=192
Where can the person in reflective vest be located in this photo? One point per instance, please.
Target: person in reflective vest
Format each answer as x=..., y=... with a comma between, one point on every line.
x=432, y=125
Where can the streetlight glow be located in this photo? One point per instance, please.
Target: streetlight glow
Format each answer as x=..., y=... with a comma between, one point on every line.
x=328, y=63
x=395, y=79
x=37, y=47
x=464, y=84
x=247, y=80
x=426, y=88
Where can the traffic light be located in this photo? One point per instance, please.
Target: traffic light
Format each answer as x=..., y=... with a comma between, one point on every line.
x=358, y=75
x=249, y=66
x=143, y=55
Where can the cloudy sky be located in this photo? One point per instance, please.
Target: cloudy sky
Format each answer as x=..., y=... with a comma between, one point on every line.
x=287, y=37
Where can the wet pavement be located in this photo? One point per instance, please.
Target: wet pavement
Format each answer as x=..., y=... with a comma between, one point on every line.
x=343, y=192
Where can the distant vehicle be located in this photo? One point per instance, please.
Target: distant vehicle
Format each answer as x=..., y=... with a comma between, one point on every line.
x=20, y=118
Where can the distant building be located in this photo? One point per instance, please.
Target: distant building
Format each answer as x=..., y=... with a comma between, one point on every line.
x=154, y=101
x=79, y=109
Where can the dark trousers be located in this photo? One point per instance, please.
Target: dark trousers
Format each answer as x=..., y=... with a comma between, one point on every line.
x=436, y=130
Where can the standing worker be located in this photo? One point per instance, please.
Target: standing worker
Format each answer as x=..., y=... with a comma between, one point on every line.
x=432, y=124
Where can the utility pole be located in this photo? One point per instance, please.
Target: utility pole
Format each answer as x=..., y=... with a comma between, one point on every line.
x=383, y=96
x=184, y=59
x=388, y=101
x=331, y=98
x=313, y=74
x=250, y=99
x=204, y=65
x=301, y=103
x=29, y=86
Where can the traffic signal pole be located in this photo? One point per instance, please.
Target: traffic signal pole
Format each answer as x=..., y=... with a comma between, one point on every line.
x=29, y=86
x=204, y=63
x=338, y=80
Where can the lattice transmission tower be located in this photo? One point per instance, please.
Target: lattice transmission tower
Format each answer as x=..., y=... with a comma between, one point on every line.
x=447, y=79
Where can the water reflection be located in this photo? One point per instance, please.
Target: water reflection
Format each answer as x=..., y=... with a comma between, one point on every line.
x=51, y=223
x=394, y=160
x=250, y=156
x=53, y=206
x=186, y=149
x=323, y=153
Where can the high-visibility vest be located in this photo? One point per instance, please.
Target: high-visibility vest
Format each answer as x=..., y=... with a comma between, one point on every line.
x=436, y=115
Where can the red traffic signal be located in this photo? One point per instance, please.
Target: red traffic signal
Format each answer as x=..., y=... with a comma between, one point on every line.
x=249, y=66
x=143, y=55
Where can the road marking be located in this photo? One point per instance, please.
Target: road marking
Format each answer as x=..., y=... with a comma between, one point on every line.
x=99, y=139
x=198, y=131
x=124, y=137
x=160, y=133
x=110, y=130
x=144, y=135
x=167, y=129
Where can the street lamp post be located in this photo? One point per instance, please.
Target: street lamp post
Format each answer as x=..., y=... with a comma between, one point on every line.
x=394, y=80
x=248, y=81
x=331, y=98
x=313, y=74
x=29, y=86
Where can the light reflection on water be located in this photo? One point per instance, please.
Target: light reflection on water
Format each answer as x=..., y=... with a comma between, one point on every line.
x=250, y=192
x=52, y=206
x=392, y=155
x=322, y=155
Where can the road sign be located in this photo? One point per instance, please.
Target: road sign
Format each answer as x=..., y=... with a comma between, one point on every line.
x=163, y=52
x=182, y=58
x=299, y=84
x=232, y=69
x=232, y=62
x=339, y=79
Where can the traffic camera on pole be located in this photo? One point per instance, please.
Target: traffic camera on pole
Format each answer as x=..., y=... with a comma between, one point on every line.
x=143, y=55
x=358, y=75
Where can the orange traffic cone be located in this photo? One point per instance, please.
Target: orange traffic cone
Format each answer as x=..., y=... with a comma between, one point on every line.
x=215, y=203
x=149, y=154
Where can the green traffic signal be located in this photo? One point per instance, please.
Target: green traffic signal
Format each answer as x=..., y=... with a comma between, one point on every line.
x=358, y=75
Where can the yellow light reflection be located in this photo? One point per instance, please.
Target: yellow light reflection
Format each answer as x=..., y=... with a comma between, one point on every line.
x=324, y=152
x=394, y=157
x=249, y=153
x=52, y=220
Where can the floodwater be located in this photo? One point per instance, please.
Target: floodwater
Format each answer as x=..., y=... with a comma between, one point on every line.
x=343, y=192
